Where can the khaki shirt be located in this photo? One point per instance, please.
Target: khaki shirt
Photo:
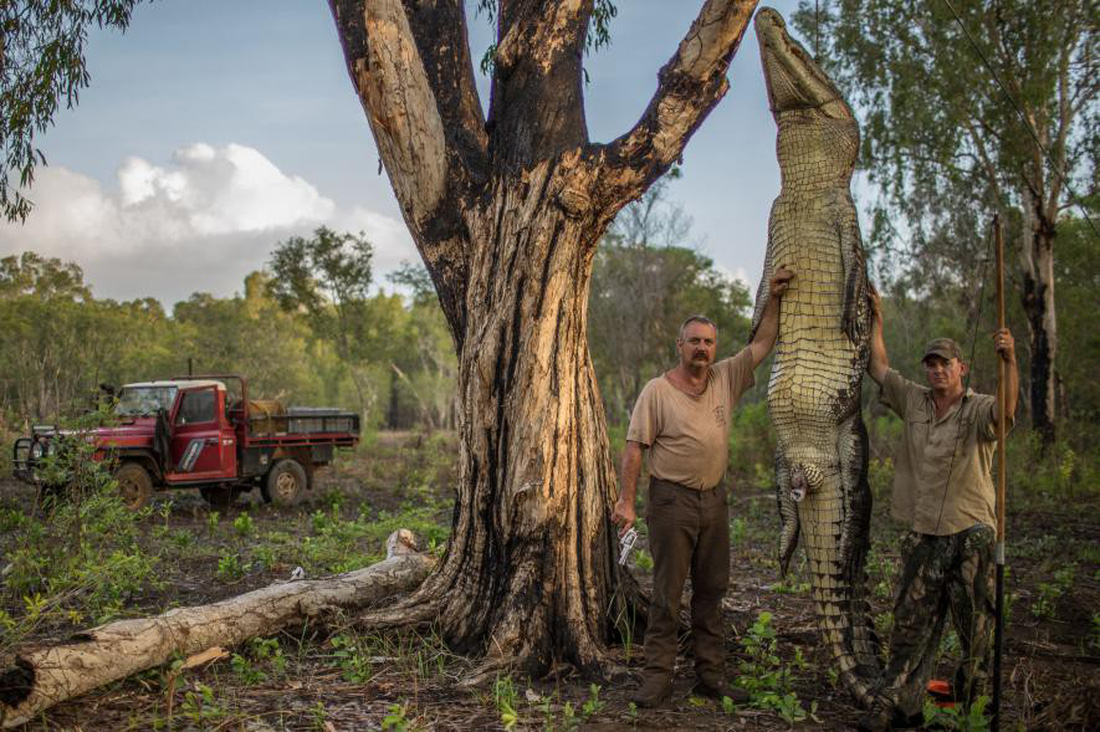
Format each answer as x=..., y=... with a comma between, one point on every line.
x=934, y=492
x=688, y=436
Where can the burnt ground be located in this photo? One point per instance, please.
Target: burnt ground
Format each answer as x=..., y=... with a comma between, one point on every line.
x=335, y=678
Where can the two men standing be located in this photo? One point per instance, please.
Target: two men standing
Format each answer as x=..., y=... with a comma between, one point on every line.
x=943, y=490
x=683, y=418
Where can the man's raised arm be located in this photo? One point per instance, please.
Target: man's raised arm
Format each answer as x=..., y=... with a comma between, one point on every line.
x=879, y=363
x=768, y=329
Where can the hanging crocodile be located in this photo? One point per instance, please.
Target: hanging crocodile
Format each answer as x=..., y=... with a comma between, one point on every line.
x=822, y=350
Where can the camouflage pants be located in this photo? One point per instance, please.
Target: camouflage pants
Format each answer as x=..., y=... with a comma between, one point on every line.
x=942, y=573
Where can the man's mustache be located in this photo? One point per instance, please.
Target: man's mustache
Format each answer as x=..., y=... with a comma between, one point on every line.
x=701, y=354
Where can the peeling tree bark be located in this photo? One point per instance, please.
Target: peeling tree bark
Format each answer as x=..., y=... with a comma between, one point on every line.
x=506, y=213
x=39, y=677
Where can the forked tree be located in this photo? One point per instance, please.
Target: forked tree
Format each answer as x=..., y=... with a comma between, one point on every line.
x=506, y=212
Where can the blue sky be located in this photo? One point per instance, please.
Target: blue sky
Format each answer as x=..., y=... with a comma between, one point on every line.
x=213, y=129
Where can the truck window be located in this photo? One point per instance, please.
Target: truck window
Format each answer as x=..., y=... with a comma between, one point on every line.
x=139, y=400
x=197, y=406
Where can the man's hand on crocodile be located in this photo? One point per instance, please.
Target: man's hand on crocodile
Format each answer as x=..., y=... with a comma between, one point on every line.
x=780, y=281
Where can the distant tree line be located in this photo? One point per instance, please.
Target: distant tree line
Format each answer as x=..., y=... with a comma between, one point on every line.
x=310, y=329
x=387, y=355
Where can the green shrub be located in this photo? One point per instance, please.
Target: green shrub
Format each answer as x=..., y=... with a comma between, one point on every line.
x=80, y=557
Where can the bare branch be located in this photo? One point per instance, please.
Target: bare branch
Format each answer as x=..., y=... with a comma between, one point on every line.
x=536, y=109
x=388, y=74
x=422, y=107
x=440, y=31
x=689, y=86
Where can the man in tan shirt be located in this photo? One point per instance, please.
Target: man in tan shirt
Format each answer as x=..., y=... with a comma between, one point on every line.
x=943, y=490
x=682, y=418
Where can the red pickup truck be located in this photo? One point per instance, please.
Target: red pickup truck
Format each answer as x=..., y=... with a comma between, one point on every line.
x=190, y=432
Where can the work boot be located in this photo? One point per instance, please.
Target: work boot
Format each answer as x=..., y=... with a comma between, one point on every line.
x=717, y=689
x=878, y=718
x=883, y=717
x=653, y=691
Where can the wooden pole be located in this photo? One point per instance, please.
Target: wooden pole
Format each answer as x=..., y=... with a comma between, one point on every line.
x=999, y=551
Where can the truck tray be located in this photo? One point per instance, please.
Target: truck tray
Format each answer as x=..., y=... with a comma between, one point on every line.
x=305, y=420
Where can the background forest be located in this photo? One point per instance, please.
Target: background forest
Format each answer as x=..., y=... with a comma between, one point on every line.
x=315, y=328
x=303, y=337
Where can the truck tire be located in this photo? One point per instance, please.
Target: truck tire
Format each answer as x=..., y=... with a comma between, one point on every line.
x=220, y=497
x=135, y=485
x=285, y=483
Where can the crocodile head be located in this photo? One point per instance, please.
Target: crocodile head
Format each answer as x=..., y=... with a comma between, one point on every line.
x=818, y=135
x=793, y=78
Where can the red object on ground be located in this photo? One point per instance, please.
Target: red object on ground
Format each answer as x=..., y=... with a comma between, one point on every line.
x=942, y=695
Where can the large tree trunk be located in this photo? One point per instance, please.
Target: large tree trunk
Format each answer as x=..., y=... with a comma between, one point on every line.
x=39, y=677
x=532, y=563
x=506, y=214
x=1037, y=254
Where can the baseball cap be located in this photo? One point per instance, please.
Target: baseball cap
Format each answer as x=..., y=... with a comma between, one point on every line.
x=945, y=348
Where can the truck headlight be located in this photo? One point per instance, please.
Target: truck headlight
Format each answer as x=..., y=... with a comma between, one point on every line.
x=37, y=451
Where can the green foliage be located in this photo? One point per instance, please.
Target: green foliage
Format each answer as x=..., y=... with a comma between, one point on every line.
x=738, y=530
x=58, y=344
x=396, y=718
x=752, y=446
x=230, y=568
x=643, y=560
x=961, y=718
x=243, y=525
x=349, y=655
x=592, y=705
x=506, y=700
x=200, y=705
x=1045, y=604
x=260, y=654
x=42, y=60
x=81, y=557
x=764, y=675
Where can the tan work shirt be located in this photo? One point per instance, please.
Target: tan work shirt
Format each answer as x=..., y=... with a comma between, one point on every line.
x=934, y=492
x=688, y=436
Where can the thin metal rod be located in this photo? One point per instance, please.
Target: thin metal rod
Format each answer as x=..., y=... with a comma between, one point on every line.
x=999, y=557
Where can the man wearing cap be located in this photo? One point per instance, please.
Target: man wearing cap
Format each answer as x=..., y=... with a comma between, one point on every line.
x=682, y=420
x=943, y=490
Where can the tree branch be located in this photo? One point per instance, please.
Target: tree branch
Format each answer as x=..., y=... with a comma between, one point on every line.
x=440, y=31
x=423, y=110
x=689, y=86
x=388, y=74
x=536, y=109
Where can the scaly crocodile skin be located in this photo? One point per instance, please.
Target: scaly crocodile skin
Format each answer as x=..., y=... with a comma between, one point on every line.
x=822, y=350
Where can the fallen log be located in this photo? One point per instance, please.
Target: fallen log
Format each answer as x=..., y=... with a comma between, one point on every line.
x=41, y=676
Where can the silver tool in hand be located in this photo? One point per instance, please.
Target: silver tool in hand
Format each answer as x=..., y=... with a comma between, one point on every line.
x=626, y=544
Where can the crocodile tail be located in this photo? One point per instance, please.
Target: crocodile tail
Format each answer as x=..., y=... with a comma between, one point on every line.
x=839, y=598
x=852, y=446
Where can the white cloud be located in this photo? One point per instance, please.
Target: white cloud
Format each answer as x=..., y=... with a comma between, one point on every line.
x=199, y=223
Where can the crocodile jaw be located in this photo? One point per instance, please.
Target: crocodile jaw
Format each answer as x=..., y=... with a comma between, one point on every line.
x=794, y=81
